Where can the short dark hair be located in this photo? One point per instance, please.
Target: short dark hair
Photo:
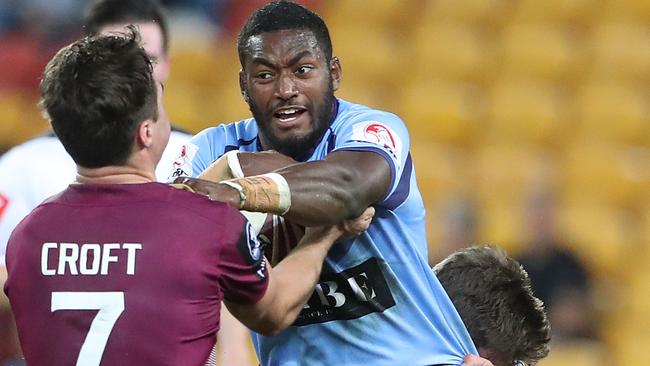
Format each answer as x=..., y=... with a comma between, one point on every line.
x=95, y=92
x=281, y=15
x=100, y=13
x=493, y=295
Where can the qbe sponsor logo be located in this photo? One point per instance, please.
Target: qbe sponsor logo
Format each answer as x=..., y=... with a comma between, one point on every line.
x=350, y=294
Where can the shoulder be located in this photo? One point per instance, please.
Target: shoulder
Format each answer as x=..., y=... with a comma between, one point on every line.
x=45, y=147
x=233, y=130
x=40, y=162
x=356, y=122
x=227, y=136
x=352, y=113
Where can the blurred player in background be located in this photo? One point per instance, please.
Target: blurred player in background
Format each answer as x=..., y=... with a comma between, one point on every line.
x=377, y=301
x=44, y=165
x=493, y=294
x=121, y=270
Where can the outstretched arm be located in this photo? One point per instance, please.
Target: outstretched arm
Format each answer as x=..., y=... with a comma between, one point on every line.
x=323, y=192
x=292, y=281
x=340, y=187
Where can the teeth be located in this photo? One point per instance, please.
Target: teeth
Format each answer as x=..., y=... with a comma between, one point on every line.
x=288, y=111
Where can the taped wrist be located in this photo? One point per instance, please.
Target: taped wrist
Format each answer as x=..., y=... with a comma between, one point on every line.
x=263, y=193
x=233, y=164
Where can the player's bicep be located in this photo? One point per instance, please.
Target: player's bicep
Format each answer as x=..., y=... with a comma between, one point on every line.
x=385, y=135
x=370, y=173
x=254, y=315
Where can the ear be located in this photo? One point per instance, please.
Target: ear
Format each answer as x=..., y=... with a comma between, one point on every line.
x=242, y=86
x=336, y=72
x=145, y=133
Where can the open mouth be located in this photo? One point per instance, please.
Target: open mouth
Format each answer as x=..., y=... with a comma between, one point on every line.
x=288, y=115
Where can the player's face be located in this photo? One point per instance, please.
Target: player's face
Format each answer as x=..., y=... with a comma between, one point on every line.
x=289, y=87
x=153, y=44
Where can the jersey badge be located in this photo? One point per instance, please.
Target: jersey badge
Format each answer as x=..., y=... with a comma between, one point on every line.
x=251, y=248
x=182, y=166
x=4, y=202
x=379, y=134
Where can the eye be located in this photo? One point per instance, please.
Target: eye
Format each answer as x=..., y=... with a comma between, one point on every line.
x=304, y=69
x=264, y=75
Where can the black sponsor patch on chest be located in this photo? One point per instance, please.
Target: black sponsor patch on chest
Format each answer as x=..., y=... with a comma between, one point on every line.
x=350, y=294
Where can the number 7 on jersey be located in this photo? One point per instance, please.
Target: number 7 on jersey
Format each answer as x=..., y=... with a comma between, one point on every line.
x=110, y=306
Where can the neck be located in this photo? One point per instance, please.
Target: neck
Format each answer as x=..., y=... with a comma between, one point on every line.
x=114, y=175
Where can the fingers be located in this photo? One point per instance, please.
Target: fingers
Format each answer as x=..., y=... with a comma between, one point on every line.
x=214, y=191
x=356, y=227
x=473, y=360
x=361, y=223
x=347, y=229
x=200, y=186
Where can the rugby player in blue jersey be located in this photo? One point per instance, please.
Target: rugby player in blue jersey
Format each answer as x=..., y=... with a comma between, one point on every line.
x=377, y=301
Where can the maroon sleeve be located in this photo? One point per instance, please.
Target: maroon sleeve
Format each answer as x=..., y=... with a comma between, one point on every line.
x=244, y=276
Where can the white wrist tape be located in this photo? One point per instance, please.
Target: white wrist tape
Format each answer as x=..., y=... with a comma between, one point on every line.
x=284, y=191
x=262, y=193
x=233, y=164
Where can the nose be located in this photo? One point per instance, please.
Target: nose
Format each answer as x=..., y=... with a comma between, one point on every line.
x=286, y=87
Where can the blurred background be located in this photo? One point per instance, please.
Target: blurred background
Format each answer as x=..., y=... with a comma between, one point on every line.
x=530, y=126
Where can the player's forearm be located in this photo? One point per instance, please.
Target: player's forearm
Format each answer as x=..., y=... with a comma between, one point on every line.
x=322, y=194
x=294, y=280
x=338, y=188
x=325, y=192
x=315, y=193
x=262, y=162
x=291, y=283
x=328, y=206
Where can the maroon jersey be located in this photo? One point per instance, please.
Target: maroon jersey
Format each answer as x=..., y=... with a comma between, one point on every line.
x=129, y=274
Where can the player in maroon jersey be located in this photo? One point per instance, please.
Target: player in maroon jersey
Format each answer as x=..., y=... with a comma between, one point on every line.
x=120, y=270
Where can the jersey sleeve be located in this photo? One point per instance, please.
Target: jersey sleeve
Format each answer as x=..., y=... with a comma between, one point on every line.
x=380, y=132
x=13, y=208
x=198, y=153
x=16, y=198
x=244, y=273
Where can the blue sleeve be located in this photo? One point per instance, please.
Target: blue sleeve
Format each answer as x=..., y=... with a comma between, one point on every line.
x=380, y=132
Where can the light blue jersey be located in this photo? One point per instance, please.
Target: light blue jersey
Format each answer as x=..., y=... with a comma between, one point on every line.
x=377, y=301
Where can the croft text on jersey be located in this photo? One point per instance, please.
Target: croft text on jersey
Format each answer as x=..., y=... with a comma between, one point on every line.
x=75, y=258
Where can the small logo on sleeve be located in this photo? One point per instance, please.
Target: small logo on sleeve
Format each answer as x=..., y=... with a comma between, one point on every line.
x=254, y=245
x=252, y=250
x=182, y=166
x=4, y=202
x=379, y=134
